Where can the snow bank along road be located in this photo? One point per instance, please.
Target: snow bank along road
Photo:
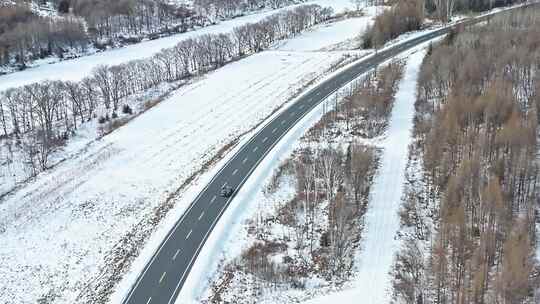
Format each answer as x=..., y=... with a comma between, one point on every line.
x=163, y=277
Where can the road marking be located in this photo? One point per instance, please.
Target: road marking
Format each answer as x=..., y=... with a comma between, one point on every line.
x=200, y=216
x=265, y=139
x=149, y=300
x=189, y=234
x=234, y=172
x=283, y=122
x=176, y=254
x=245, y=160
x=293, y=113
x=162, y=277
x=213, y=199
x=255, y=149
x=274, y=131
x=301, y=107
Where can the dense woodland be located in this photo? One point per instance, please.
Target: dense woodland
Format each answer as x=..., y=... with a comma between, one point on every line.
x=471, y=209
x=317, y=232
x=40, y=117
x=25, y=36
x=408, y=15
x=77, y=25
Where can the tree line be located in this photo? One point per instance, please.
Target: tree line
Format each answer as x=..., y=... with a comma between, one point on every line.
x=471, y=210
x=222, y=9
x=42, y=115
x=81, y=24
x=408, y=15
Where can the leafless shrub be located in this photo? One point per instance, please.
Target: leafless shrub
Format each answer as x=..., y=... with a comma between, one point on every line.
x=403, y=17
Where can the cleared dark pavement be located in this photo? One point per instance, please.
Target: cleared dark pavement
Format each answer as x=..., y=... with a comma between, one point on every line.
x=165, y=274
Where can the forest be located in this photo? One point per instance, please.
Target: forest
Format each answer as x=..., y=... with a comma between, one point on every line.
x=470, y=213
x=409, y=15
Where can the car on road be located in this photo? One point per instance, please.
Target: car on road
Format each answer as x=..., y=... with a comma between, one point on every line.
x=226, y=191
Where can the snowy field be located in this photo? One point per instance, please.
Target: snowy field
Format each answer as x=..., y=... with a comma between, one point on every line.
x=65, y=222
x=341, y=35
x=79, y=68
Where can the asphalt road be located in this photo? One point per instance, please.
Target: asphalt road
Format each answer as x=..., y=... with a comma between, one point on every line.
x=164, y=275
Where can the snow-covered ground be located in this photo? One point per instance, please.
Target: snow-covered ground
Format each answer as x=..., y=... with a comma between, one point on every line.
x=79, y=68
x=58, y=231
x=65, y=222
x=326, y=36
x=127, y=174
x=372, y=284
x=336, y=36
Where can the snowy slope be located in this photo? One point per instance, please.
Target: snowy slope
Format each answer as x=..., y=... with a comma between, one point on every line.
x=338, y=35
x=378, y=246
x=79, y=68
x=63, y=224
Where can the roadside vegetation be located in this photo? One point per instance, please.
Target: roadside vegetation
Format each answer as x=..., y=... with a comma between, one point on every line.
x=470, y=213
x=409, y=15
x=306, y=230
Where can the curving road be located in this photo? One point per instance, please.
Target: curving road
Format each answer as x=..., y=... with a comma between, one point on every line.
x=164, y=275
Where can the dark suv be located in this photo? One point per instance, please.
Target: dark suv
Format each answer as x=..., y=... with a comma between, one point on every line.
x=226, y=191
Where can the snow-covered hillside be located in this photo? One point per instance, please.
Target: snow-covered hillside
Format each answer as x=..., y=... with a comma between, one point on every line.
x=66, y=222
